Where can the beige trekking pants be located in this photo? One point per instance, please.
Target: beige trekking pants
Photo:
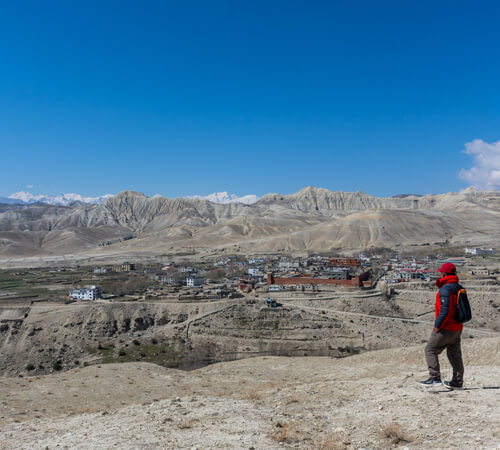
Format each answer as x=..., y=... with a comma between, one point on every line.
x=449, y=340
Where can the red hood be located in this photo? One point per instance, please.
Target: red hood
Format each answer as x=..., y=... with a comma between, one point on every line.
x=445, y=280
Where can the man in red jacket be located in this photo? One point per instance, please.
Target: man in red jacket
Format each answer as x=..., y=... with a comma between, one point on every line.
x=447, y=332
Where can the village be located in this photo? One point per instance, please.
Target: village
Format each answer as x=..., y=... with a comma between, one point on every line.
x=235, y=276
x=188, y=313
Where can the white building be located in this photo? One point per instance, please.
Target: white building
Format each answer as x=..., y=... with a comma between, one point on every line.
x=404, y=276
x=91, y=293
x=255, y=272
x=195, y=281
x=479, y=251
x=165, y=279
x=100, y=270
x=395, y=276
x=273, y=288
x=256, y=261
x=287, y=265
x=364, y=257
x=223, y=262
x=480, y=271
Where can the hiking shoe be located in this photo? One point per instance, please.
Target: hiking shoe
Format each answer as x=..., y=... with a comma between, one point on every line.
x=453, y=385
x=431, y=382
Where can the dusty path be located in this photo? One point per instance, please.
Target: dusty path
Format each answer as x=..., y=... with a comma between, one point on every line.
x=265, y=403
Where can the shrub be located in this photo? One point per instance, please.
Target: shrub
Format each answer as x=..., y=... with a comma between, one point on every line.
x=30, y=367
x=136, y=342
x=332, y=441
x=57, y=365
x=122, y=352
x=287, y=433
x=186, y=424
x=395, y=433
x=254, y=394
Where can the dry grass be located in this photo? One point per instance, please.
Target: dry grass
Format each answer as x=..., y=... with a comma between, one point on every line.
x=293, y=399
x=332, y=441
x=288, y=433
x=343, y=399
x=254, y=394
x=186, y=424
x=395, y=433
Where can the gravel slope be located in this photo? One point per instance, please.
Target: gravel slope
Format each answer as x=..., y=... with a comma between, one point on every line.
x=371, y=400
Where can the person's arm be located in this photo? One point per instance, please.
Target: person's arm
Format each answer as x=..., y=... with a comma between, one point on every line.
x=444, y=297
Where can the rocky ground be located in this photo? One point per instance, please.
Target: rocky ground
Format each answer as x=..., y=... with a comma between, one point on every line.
x=371, y=400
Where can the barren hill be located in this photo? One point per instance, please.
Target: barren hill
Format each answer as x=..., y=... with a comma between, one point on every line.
x=311, y=220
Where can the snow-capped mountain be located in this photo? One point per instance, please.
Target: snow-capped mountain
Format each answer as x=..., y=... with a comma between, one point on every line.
x=23, y=197
x=224, y=197
x=63, y=199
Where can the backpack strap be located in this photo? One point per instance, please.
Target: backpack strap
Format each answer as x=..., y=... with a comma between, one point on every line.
x=460, y=288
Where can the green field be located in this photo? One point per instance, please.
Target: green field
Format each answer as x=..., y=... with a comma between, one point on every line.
x=16, y=284
x=153, y=353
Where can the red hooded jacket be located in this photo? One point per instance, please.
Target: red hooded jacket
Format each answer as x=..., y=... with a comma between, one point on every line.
x=446, y=303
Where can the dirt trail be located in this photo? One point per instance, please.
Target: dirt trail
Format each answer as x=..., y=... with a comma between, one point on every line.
x=484, y=333
x=265, y=402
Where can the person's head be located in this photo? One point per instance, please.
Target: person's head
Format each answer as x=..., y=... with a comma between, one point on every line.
x=447, y=269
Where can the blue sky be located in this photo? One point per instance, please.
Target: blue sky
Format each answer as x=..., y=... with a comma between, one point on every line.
x=180, y=98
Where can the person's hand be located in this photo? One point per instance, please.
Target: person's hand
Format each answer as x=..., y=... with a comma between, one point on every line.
x=435, y=330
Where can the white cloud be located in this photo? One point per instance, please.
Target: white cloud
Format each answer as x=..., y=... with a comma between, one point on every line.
x=485, y=173
x=29, y=186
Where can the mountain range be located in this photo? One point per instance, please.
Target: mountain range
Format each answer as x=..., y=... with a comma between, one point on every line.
x=311, y=220
x=24, y=198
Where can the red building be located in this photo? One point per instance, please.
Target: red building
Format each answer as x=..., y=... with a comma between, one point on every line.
x=305, y=279
x=344, y=262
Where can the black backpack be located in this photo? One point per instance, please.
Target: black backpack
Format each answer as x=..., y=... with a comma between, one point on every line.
x=463, y=312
